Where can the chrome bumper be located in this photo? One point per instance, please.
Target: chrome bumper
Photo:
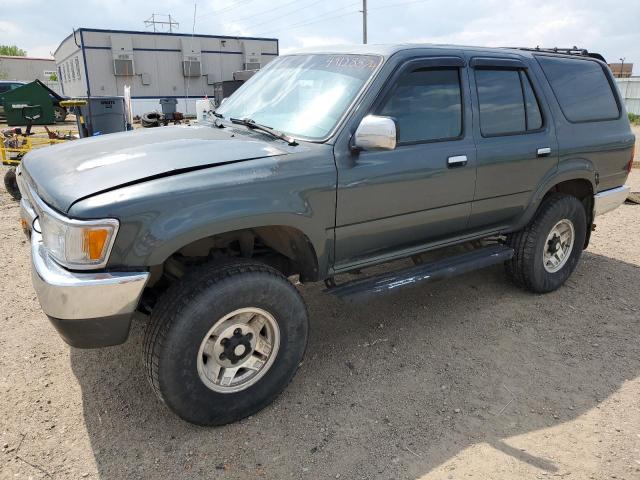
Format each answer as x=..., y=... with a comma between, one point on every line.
x=608, y=200
x=67, y=295
x=88, y=309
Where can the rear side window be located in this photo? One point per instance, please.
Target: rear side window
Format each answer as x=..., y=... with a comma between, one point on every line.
x=508, y=104
x=426, y=104
x=581, y=87
x=534, y=118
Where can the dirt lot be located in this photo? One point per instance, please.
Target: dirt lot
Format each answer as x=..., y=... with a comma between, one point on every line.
x=467, y=378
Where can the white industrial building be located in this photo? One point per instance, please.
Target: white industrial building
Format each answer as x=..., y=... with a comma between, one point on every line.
x=94, y=62
x=28, y=69
x=630, y=90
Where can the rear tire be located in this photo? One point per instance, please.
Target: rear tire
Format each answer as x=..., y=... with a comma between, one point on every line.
x=549, y=248
x=11, y=184
x=203, y=325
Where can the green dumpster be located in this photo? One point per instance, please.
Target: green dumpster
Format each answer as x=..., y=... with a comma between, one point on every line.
x=33, y=97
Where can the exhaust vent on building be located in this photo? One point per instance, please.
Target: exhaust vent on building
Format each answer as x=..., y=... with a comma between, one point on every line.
x=191, y=57
x=252, y=56
x=122, y=51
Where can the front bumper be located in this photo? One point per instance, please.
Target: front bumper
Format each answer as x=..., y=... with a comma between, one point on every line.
x=88, y=309
x=608, y=200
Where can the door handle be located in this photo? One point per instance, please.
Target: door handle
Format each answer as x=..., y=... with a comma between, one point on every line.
x=457, y=161
x=544, y=152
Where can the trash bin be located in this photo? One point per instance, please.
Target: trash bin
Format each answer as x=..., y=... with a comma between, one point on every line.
x=28, y=99
x=100, y=115
x=168, y=107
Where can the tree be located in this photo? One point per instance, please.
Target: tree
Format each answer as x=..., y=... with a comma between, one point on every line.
x=12, y=51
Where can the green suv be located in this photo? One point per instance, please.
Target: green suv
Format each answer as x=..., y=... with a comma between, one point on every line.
x=323, y=163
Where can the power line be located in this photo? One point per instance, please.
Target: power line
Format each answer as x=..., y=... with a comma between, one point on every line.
x=224, y=10
x=324, y=18
x=263, y=13
x=304, y=7
x=398, y=4
x=321, y=18
x=317, y=20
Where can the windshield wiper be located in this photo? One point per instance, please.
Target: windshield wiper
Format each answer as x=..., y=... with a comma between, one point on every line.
x=216, y=121
x=252, y=125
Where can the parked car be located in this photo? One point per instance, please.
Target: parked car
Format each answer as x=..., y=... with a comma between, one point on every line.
x=323, y=163
x=5, y=86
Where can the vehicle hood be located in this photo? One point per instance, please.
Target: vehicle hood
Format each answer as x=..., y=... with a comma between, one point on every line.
x=65, y=173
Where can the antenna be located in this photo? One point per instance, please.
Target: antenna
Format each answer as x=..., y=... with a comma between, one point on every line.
x=161, y=22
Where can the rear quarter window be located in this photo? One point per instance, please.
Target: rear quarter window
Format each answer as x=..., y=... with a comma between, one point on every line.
x=581, y=88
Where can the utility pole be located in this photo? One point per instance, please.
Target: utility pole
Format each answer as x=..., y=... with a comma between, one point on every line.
x=622, y=67
x=364, y=21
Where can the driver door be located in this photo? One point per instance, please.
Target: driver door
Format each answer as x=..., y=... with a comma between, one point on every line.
x=390, y=201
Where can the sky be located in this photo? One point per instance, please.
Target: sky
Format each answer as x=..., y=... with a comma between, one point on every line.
x=611, y=28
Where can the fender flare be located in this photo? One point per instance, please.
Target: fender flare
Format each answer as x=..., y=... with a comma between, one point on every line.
x=573, y=169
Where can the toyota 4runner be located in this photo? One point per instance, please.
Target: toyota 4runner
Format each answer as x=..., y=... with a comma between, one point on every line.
x=323, y=163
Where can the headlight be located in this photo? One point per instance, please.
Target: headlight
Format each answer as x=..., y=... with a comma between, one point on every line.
x=79, y=244
x=75, y=244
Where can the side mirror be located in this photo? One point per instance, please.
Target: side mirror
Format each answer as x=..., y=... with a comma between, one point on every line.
x=376, y=133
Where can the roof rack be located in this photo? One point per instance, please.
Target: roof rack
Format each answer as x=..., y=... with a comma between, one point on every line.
x=583, y=52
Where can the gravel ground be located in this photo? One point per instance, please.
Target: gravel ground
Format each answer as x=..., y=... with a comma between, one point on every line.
x=467, y=378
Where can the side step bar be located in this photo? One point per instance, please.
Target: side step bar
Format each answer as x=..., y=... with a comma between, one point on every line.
x=437, y=270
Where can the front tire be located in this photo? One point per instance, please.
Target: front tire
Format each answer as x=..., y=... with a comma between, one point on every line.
x=224, y=341
x=11, y=183
x=548, y=249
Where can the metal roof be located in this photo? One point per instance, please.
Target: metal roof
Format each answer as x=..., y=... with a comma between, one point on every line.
x=166, y=34
x=15, y=57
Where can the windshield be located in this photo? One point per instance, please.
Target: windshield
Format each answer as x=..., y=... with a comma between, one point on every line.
x=302, y=95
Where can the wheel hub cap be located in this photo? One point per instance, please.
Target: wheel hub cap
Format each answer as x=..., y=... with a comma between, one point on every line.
x=558, y=246
x=237, y=347
x=238, y=350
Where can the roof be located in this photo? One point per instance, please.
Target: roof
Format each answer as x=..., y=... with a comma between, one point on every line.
x=626, y=67
x=12, y=57
x=171, y=34
x=622, y=69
